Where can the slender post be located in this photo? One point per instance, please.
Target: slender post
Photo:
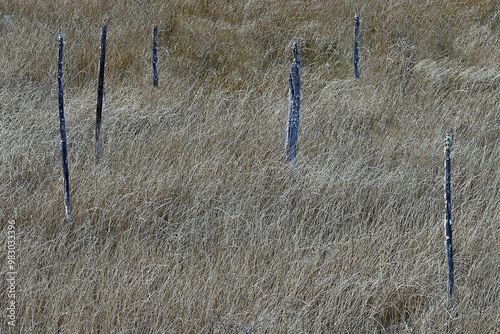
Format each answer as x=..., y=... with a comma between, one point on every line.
x=447, y=223
x=155, y=57
x=356, y=48
x=292, y=126
x=100, y=92
x=62, y=127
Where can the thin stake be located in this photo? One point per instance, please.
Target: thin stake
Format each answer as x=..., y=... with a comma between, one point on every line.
x=292, y=126
x=100, y=92
x=62, y=127
x=356, y=47
x=155, y=57
x=448, y=223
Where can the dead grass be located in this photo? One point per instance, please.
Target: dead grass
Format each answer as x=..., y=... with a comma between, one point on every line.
x=188, y=224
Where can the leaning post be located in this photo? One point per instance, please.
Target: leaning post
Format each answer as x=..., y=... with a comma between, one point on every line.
x=62, y=127
x=100, y=92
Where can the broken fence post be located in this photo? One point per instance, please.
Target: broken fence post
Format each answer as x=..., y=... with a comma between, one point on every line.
x=155, y=57
x=292, y=126
x=62, y=127
x=100, y=93
x=448, y=223
x=356, y=46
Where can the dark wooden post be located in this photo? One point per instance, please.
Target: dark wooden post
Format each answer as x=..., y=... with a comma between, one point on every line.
x=62, y=127
x=356, y=46
x=100, y=92
x=292, y=126
x=155, y=57
x=448, y=223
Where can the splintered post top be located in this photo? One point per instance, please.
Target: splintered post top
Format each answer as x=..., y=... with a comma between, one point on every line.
x=295, y=50
x=447, y=139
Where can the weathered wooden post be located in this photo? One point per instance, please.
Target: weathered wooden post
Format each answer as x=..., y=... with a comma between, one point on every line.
x=292, y=126
x=155, y=57
x=448, y=223
x=62, y=127
x=356, y=46
x=100, y=93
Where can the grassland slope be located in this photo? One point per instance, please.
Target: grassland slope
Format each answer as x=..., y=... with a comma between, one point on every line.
x=188, y=223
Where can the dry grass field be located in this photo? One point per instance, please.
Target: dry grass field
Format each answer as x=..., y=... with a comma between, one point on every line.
x=189, y=225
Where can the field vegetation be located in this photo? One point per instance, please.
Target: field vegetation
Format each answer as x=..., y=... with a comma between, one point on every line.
x=189, y=225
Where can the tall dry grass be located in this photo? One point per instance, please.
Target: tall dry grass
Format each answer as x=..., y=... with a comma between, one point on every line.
x=188, y=225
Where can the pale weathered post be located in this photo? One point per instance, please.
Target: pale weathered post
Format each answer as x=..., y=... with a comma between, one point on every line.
x=100, y=93
x=356, y=45
x=448, y=224
x=62, y=127
x=292, y=126
x=155, y=57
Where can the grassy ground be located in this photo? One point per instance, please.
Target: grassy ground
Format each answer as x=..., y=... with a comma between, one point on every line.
x=188, y=224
